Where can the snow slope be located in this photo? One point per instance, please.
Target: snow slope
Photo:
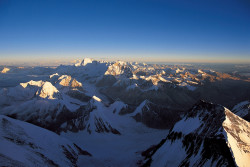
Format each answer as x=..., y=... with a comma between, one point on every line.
x=242, y=109
x=23, y=144
x=40, y=103
x=209, y=135
x=109, y=149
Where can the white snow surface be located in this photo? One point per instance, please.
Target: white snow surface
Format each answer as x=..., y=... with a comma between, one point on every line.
x=235, y=130
x=169, y=154
x=138, y=110
x=53, y=75
x=118, y=68
x=187, y=126
x=117, y=106
x=48, y=91
x=32, y=83
x=23, y=143
x=116, y=150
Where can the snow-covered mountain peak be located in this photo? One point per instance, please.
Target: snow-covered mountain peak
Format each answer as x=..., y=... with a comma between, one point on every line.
x=92, y=118
x=208, y=135
x=75, y=83
x=5, y=70
x=86, y=61
x=32, y=83
x=47, y=91
x=87, y=67
x=65, y=82
x=238, y=138
x=44, y=89
x=202, y=108
x=205, y=119
x=120, y=68
x=83, y=62
x=122, y=63
x=117, y=106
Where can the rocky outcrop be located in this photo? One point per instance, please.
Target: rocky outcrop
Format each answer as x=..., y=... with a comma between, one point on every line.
x=155, y=116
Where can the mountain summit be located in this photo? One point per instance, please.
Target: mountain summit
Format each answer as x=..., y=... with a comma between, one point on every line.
x=208, y=135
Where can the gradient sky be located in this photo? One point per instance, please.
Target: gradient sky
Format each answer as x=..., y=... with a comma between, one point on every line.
x=148, y=30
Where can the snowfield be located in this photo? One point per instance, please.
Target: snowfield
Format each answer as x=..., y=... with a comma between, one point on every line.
x=23, y=144
x=117, y=150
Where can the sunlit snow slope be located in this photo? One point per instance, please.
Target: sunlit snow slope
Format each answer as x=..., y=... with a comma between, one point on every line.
x=209, y=135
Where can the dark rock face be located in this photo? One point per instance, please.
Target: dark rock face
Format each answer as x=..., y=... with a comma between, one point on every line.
x=167, y=95
x=127, y=110
x=205, y=145
x=77, y=95
x=107, y=80
x=102, y=126
x=147, y=154
x=42, y=120
x=74, y=121
x=156, y=116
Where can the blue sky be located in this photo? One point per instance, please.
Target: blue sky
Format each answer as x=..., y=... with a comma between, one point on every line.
x=149, y=30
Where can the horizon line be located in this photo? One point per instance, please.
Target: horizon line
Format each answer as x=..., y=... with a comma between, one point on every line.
x=71, y=61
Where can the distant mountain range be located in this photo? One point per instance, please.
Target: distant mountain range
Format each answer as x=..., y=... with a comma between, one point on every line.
x=106, y=101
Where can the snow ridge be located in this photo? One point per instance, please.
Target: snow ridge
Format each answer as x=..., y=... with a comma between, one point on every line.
x=209, y=135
